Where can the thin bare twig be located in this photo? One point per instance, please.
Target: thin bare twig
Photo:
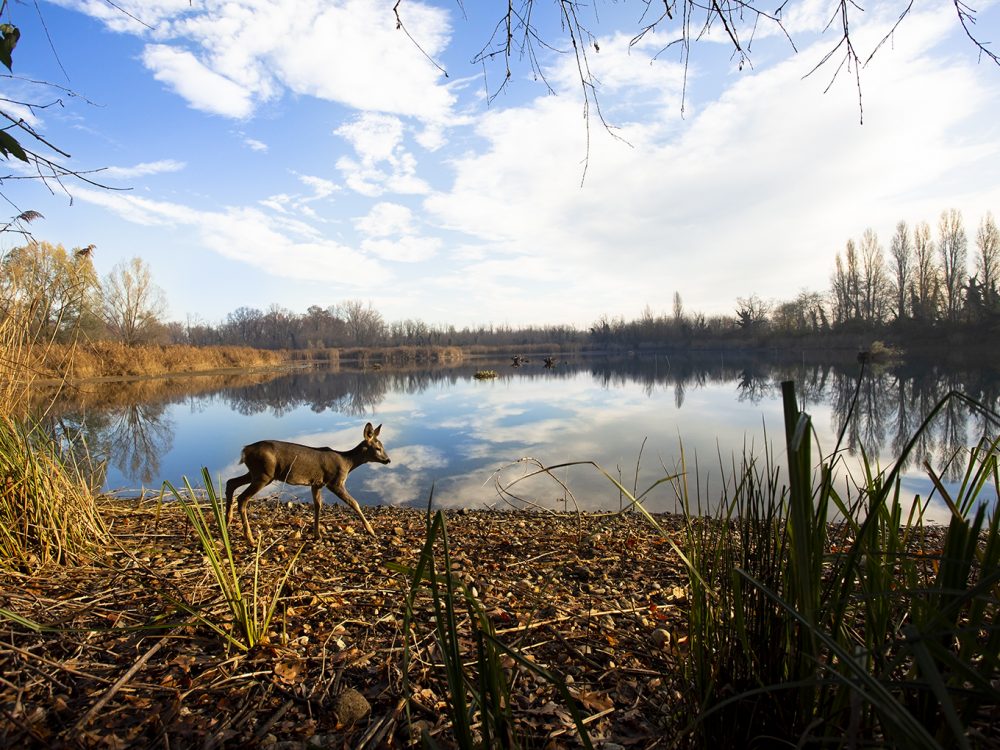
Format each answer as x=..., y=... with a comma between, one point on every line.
x=402, y=27
x=113, y=690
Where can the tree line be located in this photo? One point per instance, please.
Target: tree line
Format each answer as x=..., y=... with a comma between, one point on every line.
x=922, y=282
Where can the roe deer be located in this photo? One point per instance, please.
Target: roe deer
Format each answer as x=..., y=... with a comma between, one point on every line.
x=292, y=463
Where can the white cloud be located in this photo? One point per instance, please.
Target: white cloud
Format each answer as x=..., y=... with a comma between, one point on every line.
x=322, y=188
x=298, y=204
x=140, y=210
x=353, y=53
x=281, y=246
x=386, y=219
x=144, y=169
x=754, y=193
x=279, y=202
x=375, y=137
x=383, y=165
x=390, y=234
x=254, y=145
x=250, y=236
x=373, y=182
x=227, y=56
x=203, y=88
x=405, y=249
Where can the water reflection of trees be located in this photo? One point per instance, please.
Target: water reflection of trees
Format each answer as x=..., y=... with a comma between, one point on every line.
x=131, y=437
x=877, y=410
x=347, y=393
x=878, y=414
x=137, y=436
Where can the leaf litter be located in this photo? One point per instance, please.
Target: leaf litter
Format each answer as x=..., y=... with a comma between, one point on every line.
x=597, y=600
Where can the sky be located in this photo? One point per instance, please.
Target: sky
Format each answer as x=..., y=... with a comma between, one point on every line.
x=307, y=152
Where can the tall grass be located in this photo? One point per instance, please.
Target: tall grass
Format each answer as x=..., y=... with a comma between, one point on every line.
x=47, y=508
x=878, y=630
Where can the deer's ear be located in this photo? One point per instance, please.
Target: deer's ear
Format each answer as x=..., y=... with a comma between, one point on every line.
x=377, y=430
x=369, y=430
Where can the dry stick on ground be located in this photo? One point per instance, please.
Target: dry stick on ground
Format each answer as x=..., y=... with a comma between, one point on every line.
x=113, y=690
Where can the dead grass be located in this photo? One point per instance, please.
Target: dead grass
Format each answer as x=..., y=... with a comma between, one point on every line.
x=112, y=359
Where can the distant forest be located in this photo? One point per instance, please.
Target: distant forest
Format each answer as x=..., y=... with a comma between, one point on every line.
x=926, y=289
x=930, y=288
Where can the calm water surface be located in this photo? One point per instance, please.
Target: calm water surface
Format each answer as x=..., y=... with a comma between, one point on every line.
x=635, y=417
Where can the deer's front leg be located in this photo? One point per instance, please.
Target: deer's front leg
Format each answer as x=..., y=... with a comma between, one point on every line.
x=341, y=492
x=317, y=505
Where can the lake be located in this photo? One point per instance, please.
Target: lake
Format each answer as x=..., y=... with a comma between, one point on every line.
x=636, y=417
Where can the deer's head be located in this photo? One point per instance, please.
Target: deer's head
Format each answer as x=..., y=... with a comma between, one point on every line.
x=373, y=450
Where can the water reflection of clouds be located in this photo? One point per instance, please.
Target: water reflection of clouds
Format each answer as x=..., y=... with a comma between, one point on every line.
x=387, y=485
x=454, y=432
x=419, y=457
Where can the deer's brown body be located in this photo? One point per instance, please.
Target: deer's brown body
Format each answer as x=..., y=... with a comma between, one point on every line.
x=291, y=463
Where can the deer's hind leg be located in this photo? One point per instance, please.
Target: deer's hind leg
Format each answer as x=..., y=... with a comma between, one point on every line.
x=243, y=500
x=231, y=487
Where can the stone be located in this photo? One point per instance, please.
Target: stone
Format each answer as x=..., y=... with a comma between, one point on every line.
x=351, y=707
x=660, y=638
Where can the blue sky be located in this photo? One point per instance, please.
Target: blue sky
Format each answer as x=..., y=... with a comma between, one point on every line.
x=306, y=152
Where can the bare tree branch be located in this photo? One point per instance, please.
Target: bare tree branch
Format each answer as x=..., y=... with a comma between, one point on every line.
x=967, y=17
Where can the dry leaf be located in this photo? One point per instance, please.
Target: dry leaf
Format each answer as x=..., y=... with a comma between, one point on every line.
x=289, y=671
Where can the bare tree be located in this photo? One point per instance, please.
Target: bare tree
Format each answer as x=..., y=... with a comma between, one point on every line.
x=953, y=249
x=847, y=286
x=988, y=258
x=518, y=36
x=926, y=275
x=364, y=322
x=752, y=312
x=901, y=250
x=133, y=305
x=874, y=292
x=244, y=325
x=803, y=314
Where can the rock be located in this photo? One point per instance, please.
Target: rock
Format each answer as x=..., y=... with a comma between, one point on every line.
x=660, y=637
x=351, y=707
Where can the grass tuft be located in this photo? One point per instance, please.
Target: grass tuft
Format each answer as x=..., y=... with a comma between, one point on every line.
x=47, y=503
x=249, y=612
